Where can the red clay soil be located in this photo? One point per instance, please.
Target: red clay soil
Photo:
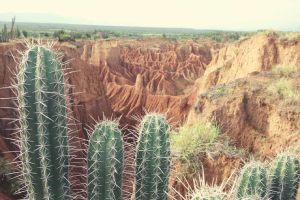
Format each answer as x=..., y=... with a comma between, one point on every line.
x=121, y=78
x=4, y=197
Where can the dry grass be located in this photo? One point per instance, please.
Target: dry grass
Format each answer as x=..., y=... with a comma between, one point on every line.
x=285, y=90
x=192, y=143
x=285, y=71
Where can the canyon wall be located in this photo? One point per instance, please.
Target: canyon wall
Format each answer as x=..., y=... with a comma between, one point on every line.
x=123, y=78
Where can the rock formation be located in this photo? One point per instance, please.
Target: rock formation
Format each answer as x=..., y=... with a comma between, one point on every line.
x=122, y=78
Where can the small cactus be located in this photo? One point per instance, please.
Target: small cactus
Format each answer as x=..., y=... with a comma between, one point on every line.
x=252, y=180
x=153, y=159
x=43, y=125
x=105, y=162
x=203, y=191
x=284, y=177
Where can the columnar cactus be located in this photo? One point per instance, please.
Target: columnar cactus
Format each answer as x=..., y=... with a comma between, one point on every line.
x=153, y=159
x=252, y=180
x=42, y=111
x=105, y=162
x=284, y=177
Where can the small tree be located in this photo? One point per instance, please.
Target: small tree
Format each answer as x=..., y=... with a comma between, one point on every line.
x=95, y=37
x=25, y=33
x=84, y=37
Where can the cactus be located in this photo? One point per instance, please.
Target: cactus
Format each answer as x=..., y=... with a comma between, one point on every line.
x=12, y=34
x=5, y=36
x=153, y=158
x=252, y=180
x=105, y=162
x=42, y=118
x=284, y=177
x=203, y=191
x=253, y=197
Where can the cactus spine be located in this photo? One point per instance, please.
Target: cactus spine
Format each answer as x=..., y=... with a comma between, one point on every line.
x=252, y=180
x=153, y=159
x=253, y=197
x=208, y=197
x=42, y=110
x=105, y=162
x=284, y=175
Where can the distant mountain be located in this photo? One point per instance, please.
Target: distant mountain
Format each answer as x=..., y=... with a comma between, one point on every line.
x=46, y=21
x=44, y=18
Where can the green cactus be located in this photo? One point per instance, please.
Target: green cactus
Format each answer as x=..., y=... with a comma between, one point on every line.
x=253, y=197
x=105, y=162
x=284, y=177
x=43, y=126
x=5, y=35
x=252, y=180
x=153, y=159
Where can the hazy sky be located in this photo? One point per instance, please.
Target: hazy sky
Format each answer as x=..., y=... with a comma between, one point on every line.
x=200, y=14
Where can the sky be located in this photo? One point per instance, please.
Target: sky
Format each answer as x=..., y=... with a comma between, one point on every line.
x=198, y=14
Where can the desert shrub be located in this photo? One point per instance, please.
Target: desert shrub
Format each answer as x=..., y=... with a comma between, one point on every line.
x=105, y=35
x=88, y=35
x=95, y=37
x=65, y=37
x=191, y=141
x=56, y=34
x=78, y=44
x=290, y=37
x=286, y=71
x=84, y=37
x=284, y=89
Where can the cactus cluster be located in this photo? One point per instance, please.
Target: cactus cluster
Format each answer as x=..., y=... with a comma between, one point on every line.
x=44, y=149
x=277, y=182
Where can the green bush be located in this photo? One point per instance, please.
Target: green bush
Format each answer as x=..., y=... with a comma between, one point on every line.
x=65, y=37
x=190, y=142
x=95, y=37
